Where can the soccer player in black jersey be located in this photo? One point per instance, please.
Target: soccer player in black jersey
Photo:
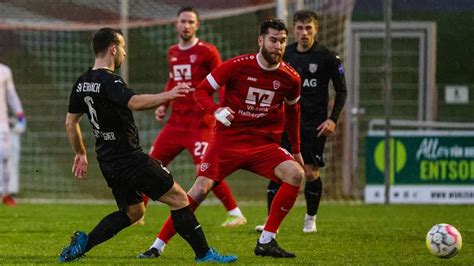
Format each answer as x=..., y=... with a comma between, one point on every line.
x=129, y=172
x=317, y=66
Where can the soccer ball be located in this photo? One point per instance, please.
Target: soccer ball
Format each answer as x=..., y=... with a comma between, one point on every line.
x=444, y=241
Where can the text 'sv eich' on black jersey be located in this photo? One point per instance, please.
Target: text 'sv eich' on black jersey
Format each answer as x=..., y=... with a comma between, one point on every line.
x=317, y=67
x=104, y=96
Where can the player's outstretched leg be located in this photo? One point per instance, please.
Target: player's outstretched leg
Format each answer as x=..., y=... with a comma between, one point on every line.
x=235, y=217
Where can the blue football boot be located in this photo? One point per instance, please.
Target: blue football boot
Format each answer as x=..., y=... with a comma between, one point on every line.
x=76, y=248
x=213, y=256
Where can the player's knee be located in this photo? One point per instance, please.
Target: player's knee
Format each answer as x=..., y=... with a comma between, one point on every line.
x=136, y=212
x=175, y=198
x=311, y=172
x=310, y=176
x=181, y=198
x=201, y=188
x=297, y=175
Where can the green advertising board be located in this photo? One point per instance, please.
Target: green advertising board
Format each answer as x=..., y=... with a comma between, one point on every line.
x=425, y=167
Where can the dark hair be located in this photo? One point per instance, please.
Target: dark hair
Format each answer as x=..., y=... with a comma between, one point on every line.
x=103, y=38
x=188, y=9
x=276, y=24
x=305, y=16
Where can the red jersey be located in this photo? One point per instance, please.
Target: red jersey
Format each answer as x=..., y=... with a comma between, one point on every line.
x=190, y=65
x=256, y=94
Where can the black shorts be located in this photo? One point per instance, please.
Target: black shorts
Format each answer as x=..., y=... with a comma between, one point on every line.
x=312, y=146
x=129, y=178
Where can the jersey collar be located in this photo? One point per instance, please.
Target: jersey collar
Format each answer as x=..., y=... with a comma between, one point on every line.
x=187, y=47
x=260, y=64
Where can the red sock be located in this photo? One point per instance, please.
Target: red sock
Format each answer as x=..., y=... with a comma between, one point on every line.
x=194, y=204
x=223, y=193
x=281, y=206
x=145, y=199
x=167, y=230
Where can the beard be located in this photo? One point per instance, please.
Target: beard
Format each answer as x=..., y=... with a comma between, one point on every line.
x=272, y=59
x=185, y=37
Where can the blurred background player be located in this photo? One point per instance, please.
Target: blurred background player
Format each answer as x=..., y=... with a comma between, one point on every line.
x=9, y=100
x=316, y=66
x=129, y=172
x=17, y=128
x=189, y=127
x=250, y=124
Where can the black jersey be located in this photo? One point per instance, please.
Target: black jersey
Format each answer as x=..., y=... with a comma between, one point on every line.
x=104, y=96
x=317, y=67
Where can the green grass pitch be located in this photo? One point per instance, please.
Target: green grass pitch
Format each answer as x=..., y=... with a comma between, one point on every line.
x=347, y=234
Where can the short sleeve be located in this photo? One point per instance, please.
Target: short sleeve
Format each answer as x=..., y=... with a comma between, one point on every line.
x=293, y=95
x=219, y=76
x=76, y=105
x=117, y=91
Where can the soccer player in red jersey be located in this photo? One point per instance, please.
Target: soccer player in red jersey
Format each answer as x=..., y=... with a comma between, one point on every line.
x=189, y=126
x=260, y=89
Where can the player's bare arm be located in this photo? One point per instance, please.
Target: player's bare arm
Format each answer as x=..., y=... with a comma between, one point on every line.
x=326, y=128
x=73, y=129
x=148, y=101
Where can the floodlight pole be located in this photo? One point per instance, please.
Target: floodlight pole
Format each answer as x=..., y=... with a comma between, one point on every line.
x=387, y=88
x=124, y=8
x=282, y=10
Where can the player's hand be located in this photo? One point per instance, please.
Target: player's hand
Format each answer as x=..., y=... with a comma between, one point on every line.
x=224, y=115
x=326, y=128
x=299, y=158
x=79, y=168
x=20, y=124
x=160, y=113
x=180, y=90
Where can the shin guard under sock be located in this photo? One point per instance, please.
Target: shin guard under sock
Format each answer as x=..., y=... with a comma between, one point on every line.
x=281, y=206
x=107, y=228
x=312, y=192
x=189, y=228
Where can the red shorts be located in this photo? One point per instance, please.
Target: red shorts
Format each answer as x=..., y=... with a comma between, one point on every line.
x=171, y=141
x=226, y=155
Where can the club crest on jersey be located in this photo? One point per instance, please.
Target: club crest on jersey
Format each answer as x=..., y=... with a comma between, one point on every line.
x=205, y=166
x=192, y=58
x=313, y=68
x=276, y=84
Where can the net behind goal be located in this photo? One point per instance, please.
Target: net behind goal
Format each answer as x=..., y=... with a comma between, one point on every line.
x=47, y=45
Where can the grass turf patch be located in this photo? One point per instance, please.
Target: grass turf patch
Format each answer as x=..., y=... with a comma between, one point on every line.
x=347, y=234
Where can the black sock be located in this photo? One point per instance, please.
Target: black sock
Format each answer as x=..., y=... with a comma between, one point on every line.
x=188, y=227
x=271, y=192
x=312, y=192
x=107, y=228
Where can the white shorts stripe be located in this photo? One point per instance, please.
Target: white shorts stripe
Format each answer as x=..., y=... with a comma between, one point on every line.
x=212, y=81
x=292, y=101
